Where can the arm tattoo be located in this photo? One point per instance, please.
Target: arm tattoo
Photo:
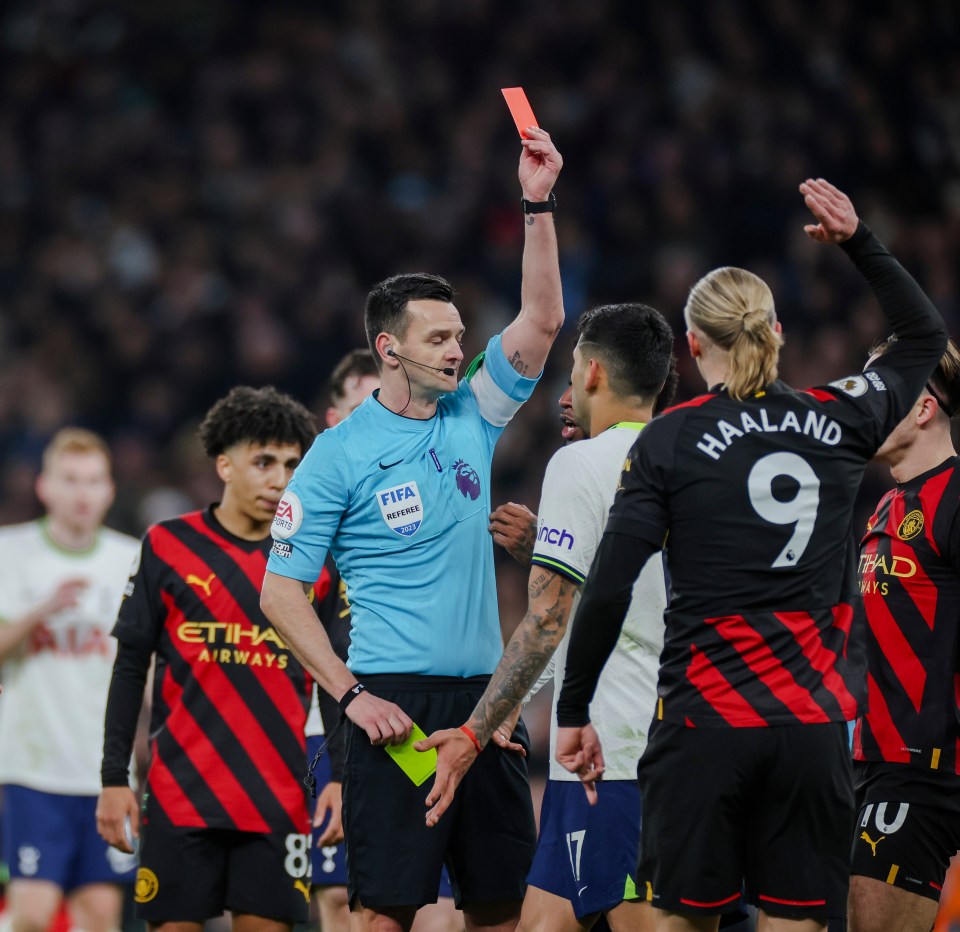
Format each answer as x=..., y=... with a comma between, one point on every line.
x=518, y=364
x=524, y=658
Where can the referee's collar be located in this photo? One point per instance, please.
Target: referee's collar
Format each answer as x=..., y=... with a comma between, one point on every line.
x=393, y=420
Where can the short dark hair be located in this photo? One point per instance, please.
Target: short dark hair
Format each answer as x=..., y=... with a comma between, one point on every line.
x=386, y=308
x=256, y=415
x=944, y=380
x=634, y=343
x=359, y=363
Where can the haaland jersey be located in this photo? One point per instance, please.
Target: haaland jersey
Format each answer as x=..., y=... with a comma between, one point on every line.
x=403, y=505
x=578, y=490
x=55, y=685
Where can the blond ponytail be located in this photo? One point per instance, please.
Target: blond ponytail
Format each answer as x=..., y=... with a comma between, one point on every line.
x=733, y=308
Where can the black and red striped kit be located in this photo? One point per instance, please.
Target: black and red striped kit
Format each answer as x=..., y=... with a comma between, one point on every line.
x=746, y=779
x=910, y=580
x=229, y=698
x=756, y=498
x=906, y=744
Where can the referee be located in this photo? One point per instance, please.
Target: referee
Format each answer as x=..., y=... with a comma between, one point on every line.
x=400, y=494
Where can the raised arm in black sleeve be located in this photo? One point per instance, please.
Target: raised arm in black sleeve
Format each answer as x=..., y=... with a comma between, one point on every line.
x=921, y=335
x=123, y=710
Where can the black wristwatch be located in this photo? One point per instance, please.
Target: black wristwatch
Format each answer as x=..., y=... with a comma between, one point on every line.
x=539, y=207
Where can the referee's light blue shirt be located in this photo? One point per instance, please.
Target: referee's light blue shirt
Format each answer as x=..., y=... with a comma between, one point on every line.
x=403, y=505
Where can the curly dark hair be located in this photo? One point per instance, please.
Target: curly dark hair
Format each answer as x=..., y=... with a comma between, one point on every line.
x=256, y=415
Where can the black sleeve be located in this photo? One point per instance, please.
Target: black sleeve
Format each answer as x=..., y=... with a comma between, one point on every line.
x=142, y=613
x=123, y=709
x=951, y=548
x=599, y=618
x=921, y=334
x=334, y=614
x=337, y=742
x=641, y=506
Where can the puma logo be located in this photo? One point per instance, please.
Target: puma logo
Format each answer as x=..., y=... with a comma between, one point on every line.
x=303, y=887
x=204, y=584
x=873, y=844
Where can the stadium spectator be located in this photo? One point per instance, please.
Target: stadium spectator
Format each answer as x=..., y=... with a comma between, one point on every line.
x=751, y=486
x=416, y=459
x=906, y=765
x=224, y=820
x=61, y=581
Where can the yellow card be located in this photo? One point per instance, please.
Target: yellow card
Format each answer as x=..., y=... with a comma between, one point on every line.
x=417, y=765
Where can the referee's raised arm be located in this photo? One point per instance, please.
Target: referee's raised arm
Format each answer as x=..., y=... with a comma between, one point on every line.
x=527, y=340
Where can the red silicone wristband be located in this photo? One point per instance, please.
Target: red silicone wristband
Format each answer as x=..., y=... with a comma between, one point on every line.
x=473, y=738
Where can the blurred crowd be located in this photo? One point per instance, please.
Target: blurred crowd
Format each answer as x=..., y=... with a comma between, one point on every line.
x=195, y=195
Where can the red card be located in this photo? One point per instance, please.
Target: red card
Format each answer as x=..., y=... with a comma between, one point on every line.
x=520, y=108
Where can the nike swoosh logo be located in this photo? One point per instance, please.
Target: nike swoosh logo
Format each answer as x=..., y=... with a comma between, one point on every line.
x=390, y=465
x=582, y=889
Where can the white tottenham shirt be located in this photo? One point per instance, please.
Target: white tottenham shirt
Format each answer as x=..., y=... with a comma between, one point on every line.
x=578, y=490
x=55, y=683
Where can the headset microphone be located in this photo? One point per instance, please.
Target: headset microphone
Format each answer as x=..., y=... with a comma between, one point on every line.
x=445, y=370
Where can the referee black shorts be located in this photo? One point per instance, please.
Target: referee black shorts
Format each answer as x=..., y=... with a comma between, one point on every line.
x=486, y=838
x=765, y=810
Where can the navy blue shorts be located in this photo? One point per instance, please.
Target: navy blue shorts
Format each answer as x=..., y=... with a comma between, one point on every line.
x=50, y=836
x=588, y=854
x=329, y=863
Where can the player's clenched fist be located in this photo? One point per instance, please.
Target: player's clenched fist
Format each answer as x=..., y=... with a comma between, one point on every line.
x=579, y=751
x=115, y=805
